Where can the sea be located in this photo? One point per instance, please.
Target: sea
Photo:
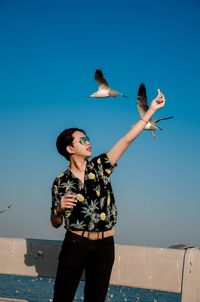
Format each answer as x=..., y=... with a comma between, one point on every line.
x=40, y=289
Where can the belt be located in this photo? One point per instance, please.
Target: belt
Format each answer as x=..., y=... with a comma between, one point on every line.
x=94, y=235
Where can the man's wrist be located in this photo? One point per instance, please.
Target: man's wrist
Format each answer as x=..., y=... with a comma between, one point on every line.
x=151, y=110
x=147, y=116
x=58, y=213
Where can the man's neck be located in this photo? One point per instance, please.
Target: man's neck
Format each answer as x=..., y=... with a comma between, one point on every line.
x=77, y=167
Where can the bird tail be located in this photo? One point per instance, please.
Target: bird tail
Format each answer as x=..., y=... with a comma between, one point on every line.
x=156, y=127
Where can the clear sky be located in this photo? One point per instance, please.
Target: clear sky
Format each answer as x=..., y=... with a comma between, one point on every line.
x=48, y=55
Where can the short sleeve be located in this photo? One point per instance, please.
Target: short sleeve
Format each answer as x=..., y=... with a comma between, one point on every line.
x=104, y=164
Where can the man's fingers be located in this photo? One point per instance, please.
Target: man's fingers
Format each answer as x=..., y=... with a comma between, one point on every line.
x=69, y=204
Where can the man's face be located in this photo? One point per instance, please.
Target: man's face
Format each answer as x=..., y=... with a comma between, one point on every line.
x=81, y=144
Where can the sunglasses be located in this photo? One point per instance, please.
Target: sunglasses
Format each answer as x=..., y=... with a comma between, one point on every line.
x=83, y=140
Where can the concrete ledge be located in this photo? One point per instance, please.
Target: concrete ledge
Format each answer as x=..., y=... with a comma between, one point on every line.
x=135, y=266
x=171, y=270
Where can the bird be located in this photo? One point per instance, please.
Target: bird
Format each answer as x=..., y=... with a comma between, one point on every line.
x=142, y=107
x=3, y=210
x=104, y=90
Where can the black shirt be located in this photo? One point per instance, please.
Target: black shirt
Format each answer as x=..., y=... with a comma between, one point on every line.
x=95, y=209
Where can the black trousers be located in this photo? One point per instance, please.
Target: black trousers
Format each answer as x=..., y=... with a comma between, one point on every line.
x=96, y=257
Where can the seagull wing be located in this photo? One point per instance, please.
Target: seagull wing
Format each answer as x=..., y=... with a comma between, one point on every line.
x=164, y=118
x=3, y=210
x=103, y=84
x=142, y=105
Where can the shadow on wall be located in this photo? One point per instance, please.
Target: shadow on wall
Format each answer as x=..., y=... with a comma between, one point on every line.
x=43, y=255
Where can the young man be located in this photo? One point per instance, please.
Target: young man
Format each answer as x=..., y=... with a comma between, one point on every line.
x=82, y=196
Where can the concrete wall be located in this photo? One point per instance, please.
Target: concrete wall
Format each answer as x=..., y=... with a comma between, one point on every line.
x=136, y=266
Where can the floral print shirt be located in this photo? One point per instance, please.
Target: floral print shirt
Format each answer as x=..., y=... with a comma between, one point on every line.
x=95, y=209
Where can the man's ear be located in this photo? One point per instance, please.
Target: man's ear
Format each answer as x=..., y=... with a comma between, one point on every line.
x=70, y=149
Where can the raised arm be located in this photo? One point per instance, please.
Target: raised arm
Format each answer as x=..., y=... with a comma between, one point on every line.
x=122, y=144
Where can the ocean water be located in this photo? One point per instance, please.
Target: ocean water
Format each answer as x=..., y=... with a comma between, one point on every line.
x=41, y=290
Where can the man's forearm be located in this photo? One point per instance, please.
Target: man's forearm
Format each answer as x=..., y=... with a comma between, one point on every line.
x=122, y=144
x=139, y=126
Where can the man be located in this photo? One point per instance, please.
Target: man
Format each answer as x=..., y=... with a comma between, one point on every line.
x=82, y=196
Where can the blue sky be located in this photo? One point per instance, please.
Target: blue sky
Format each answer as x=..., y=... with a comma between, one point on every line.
x=49, y=52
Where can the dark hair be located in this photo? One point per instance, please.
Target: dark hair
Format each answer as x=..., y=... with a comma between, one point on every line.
x=65, y=139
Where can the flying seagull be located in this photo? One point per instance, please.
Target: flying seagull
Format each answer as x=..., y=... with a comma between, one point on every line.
x=104, y=90
x=3, y=210
x=142, y=107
